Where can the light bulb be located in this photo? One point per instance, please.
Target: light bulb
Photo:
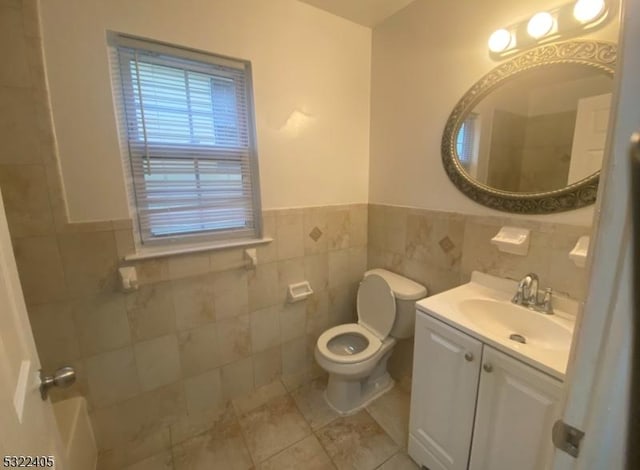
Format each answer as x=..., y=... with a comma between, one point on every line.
x=540, y=24
x=586, y=11
x=499, y=40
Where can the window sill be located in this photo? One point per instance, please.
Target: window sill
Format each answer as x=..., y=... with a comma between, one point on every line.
x=151, y=253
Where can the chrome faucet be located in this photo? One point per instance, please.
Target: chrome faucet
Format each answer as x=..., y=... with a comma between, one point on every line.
x=527, y=295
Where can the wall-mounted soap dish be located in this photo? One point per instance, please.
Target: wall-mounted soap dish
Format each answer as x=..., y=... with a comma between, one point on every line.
x=579, y=253
x=513, y=240
x=299, y=291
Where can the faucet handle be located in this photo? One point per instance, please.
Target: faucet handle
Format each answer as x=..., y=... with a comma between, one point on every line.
x=547, y=304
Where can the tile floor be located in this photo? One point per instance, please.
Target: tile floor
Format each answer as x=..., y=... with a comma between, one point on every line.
x=277, y=429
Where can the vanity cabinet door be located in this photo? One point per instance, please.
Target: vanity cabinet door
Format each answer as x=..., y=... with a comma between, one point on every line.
x=446, y=369
x=517, y=406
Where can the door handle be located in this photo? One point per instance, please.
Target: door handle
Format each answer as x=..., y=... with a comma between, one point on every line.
x=63, y=378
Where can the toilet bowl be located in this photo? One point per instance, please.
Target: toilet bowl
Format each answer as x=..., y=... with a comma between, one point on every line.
x=355, y=354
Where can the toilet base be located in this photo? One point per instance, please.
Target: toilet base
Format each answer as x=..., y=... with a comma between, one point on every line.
x=347, y=397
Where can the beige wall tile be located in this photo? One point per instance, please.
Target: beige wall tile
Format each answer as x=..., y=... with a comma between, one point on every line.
x=125, y=244
x=268, y=252
x=376, y=227
x=265, y=328
x=150, y=311
x=234, y=338
x=263, y=286
x=293, y=321
x=435, y=279
x=193, y=301
x=112, y=377
x=152, y=270
x=102, y=324
x=55, y=333
x=40, y=268
x=90, y=261
x=158, y=361
x=317, y=309
x=342, y=304
x=143, y=415
x=357, y=263
x=480, y=255
x=290, y=271
x=223, y=260
x=339, y=228
x=316, y=271
x=17, y=117
x=199, y=350
x=136, y=450
x=267, y=366
x=395, y=229
x=13, y=49
x=204, y=392
x=237, y=378
x=188, y=265
x=26, y=200
x=294, y=356
x=231, y=293
x=339, y=268
x=318, y=241
x=359, y=214
x=289, y=234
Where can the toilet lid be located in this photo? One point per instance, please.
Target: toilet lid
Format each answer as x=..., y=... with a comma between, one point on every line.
x=376, y=305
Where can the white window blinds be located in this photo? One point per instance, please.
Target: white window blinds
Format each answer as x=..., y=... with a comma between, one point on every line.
x=465, y=142
x=187, y=118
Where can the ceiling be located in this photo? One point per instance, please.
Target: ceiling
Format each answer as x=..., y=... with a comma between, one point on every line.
x=365, y=12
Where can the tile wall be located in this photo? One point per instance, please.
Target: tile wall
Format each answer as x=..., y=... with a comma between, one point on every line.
x=202, y=329
x=442, y=249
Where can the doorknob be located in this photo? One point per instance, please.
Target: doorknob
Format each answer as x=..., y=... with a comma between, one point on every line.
x=63, y=378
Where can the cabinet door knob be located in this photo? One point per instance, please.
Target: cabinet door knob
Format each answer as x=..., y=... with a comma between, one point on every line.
x=468, y=356
x=487, y=367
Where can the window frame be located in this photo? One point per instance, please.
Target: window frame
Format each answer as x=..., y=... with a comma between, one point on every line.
x=146, y=241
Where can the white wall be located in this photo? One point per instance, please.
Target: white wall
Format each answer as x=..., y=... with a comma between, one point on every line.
x=424, y=59
x=305, y=61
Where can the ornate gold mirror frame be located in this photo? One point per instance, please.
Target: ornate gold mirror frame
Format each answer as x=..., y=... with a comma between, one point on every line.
x=600, y=55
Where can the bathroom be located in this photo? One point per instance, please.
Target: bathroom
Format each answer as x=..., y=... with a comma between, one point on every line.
x=193, y=355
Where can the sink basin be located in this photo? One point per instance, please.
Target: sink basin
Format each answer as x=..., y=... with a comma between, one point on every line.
x=519, y=324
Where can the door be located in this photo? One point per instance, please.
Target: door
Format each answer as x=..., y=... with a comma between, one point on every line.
x=517, y=406
x=598, y=376
x=27, y=423
x=589, y=136
x=446, y=368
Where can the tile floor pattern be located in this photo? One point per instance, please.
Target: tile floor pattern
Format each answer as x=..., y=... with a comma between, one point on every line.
x=277, y=429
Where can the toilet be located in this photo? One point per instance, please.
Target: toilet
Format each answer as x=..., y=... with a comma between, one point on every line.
x=355, y=354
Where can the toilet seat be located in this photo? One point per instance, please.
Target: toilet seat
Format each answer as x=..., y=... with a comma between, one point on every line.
x=376, y=307
x=348, y=328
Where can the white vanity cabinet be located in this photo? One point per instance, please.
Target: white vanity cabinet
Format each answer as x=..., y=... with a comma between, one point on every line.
x=474, y=407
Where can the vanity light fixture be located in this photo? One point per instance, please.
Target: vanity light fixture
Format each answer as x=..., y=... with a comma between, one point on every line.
x=540, y=24
x=586, y=11
x=500, y=40
x=562, y=22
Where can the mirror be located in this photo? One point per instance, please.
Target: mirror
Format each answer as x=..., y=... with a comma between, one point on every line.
x=529, y=136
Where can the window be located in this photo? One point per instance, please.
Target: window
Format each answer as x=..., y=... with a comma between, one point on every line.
x=465, y=142
x=187, y=122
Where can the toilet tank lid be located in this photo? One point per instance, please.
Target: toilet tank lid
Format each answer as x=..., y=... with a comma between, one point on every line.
x=403, y=288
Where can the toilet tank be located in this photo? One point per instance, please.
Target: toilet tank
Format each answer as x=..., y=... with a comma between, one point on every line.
x=406, y=292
